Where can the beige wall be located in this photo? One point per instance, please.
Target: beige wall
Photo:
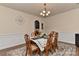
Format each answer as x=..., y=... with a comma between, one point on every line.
x=64, y=22
x=67, y=24
x=9, y=21
x=13, y=25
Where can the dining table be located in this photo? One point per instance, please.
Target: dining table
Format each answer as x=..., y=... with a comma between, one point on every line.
x=40, y=42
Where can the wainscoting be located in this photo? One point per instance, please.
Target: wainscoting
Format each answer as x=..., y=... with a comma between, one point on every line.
x=10, y=40
x=68, y=37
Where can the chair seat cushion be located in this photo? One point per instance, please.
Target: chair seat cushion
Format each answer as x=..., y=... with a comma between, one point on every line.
x=33, y=47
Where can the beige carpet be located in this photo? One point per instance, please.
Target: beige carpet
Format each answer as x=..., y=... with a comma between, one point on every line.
x=63, y=50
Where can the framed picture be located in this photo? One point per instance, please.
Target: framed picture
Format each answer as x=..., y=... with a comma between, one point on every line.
x=42, y=26
x=20, y=20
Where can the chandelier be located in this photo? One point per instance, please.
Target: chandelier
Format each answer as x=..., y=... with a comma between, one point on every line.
x=45, y=12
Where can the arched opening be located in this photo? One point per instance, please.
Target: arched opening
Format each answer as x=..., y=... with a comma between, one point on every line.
x=37, y=24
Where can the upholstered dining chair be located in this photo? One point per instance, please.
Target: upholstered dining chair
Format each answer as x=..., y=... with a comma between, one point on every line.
x=35, y=33
x=54, y=37
x=55, y=34
x=48, y=46
x=30, y=47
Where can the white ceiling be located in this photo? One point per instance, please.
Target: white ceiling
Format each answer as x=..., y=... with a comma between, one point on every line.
x=35, y=8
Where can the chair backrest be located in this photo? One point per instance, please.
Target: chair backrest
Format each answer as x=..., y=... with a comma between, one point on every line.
x=54, y=36
x=27, y=40
x=36, y=33
x=28, y=45
x=49, y=40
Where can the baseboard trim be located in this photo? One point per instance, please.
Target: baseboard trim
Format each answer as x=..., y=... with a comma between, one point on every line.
x=14, y=47
x=66, y=43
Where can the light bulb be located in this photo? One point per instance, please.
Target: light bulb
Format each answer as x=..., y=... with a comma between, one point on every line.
x=41, y=13
x=44, y=11
x=48, y=12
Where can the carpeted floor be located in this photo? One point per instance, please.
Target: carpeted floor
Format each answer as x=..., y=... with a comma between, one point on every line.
x=63, y=50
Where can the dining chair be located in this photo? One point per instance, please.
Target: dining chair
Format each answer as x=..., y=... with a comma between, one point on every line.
x=48, y=46
x=55, y=40
x=54, y=37
x=36, y=33
x=30, y=47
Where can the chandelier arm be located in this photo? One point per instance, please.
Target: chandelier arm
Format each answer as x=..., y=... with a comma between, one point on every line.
x=45, y=12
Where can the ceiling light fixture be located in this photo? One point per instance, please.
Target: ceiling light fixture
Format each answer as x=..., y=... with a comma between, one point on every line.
x=45, y=12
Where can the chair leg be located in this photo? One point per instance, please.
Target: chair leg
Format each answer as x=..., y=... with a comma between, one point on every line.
x=57, y=46
x=30, y=52
x=53, y=47
x=37, y=52
x=46, y=53
x=51, y=50
x=26, y=53
x=47, y=49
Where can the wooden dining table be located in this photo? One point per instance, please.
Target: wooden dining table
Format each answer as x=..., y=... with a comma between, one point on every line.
x=39, y=42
